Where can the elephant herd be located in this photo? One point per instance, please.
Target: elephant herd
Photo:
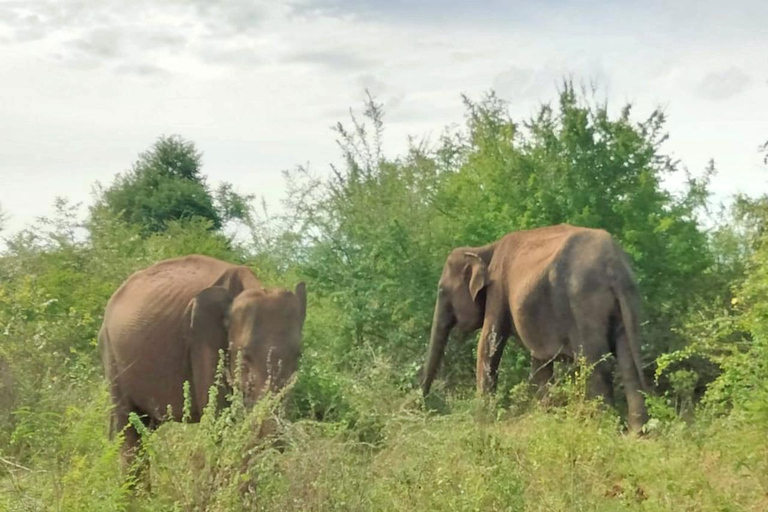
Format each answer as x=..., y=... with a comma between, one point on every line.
x=561, y=291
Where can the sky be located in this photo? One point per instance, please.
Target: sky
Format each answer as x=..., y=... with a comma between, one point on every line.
x=86, y=85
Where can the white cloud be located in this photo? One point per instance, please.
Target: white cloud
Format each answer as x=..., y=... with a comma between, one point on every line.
x=335, y=59
x=721, y=85
x=257, y=85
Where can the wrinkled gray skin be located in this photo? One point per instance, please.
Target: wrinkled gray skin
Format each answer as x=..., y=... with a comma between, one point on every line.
x=561, y=291
x=166, y=324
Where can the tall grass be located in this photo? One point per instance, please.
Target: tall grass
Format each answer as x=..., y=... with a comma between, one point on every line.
x=395, y=454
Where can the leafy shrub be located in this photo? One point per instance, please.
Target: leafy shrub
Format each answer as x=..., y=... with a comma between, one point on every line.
x=353, y=432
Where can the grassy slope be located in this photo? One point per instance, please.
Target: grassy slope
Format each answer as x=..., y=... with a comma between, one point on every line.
x=401, y=458
x=535, y=462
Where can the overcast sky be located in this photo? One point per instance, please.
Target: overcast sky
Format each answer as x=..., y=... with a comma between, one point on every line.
x=86, y=85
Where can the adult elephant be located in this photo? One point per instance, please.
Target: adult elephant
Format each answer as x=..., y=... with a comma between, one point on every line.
x=167, y=323
x=561, y=290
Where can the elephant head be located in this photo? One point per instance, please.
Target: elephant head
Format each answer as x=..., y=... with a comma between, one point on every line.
x=460, y=303
x=262, y=328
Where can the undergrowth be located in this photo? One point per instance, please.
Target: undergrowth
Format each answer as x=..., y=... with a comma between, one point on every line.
x=397, y=454
x=370, y=239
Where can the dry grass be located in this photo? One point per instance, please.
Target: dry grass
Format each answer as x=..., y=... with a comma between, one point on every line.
x=398, y=456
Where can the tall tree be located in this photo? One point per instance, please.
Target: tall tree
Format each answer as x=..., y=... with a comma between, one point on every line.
x=379, y=229
x=576, y=162
x=166, y=184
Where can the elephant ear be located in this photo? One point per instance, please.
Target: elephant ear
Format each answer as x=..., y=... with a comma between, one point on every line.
x=207, y=321
x=237, y=279
x=209, y=310
x=477, y=274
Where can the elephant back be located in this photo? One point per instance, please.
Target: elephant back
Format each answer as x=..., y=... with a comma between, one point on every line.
x=143, y=334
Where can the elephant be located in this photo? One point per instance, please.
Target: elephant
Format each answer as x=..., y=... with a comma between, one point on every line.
x=166, y=325
x=561, y=291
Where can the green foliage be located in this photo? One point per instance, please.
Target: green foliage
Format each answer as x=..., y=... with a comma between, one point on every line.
x=52, y=297
x=567, y=458
x=764, y=150
x=742, y=383
x=576, y=163
x=731, y=334
x=370, y=240
x=166, y=184
x=232, y=205
x=72, y=466
x=373, y=236
x=371, y=250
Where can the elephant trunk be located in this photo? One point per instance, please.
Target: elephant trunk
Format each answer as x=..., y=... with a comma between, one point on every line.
x=442, y=323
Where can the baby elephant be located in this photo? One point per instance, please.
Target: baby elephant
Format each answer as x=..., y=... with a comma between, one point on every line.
x=167, y=323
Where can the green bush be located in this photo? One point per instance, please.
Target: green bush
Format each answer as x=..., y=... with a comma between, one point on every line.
x=353, y=432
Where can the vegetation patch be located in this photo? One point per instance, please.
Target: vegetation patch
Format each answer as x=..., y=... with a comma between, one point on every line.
x=369, y=237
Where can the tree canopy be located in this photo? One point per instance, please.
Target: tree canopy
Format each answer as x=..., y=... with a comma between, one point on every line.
x=378, y=229
x=369, y=237
x=166, y=184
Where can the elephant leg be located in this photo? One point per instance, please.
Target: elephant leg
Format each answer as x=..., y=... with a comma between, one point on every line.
x=542, y=371
x=120, y=423
x=489, y=351
x=131, y=438
x=133, y=464
x=637, y=413
x=591, y=339
x=594, y=347
x=495, y=361
x=204, y=361
x=493, y=337
x=601, y=381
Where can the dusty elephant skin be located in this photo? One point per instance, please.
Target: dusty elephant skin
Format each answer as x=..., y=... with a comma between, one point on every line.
x=166, y=324
x=561, y=290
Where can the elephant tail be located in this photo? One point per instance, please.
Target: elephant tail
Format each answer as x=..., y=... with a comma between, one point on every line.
x=626, y=294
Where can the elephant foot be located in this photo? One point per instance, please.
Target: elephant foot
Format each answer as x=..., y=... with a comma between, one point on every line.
x=636, y=422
